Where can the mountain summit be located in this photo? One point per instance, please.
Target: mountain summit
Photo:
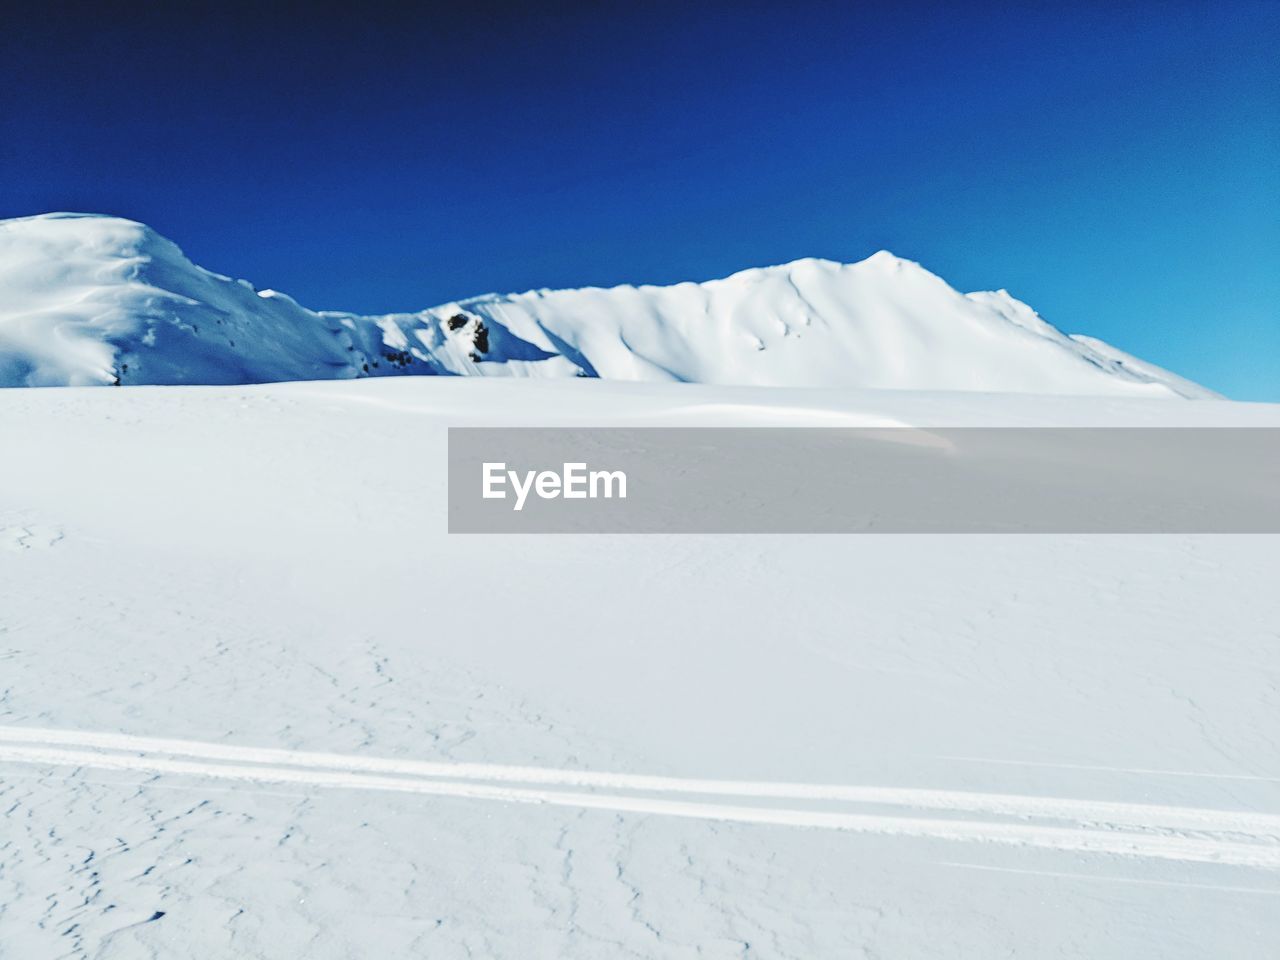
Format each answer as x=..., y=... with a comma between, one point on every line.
x=88, y=300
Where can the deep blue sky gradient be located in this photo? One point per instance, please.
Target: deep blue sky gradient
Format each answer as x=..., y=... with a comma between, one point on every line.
x=1116, y=166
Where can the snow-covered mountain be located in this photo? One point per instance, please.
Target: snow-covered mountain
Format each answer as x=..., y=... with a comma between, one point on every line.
x=88, y=300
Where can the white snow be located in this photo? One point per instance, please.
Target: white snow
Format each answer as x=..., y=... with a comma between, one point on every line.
x=255, y=702
x=94, y=300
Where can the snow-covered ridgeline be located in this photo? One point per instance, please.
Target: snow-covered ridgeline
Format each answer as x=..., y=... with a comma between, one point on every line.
x=88, y=300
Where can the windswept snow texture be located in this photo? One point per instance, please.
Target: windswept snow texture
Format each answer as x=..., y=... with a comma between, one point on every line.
x=256, y=703
x=88, y=300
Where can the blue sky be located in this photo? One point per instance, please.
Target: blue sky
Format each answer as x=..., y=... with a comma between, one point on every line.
x=1117, y=166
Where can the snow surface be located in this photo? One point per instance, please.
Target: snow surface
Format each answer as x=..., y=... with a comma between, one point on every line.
x=255, y=702
x=90, y=300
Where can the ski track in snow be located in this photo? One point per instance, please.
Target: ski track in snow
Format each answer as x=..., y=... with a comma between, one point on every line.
x=1102, y=768
x=1211, y=836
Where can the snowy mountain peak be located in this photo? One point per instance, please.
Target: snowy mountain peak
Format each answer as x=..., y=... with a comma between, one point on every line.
x=88, y=299
x=881, y=260
x=889, y=260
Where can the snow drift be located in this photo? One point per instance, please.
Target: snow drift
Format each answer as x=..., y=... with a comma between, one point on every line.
x=88, y=300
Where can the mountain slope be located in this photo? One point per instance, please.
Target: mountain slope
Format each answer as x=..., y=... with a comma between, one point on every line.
x=256, y=701
x=98, y=300
x=90, y=300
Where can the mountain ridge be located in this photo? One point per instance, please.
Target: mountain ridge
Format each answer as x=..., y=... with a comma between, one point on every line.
x=91, y=299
